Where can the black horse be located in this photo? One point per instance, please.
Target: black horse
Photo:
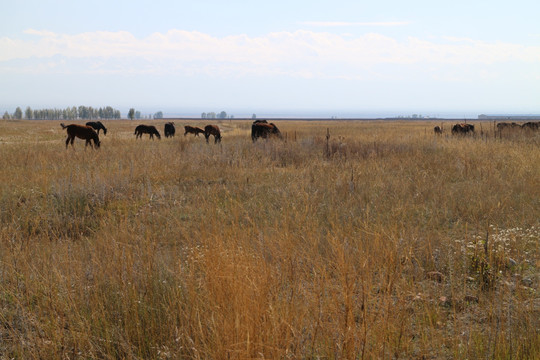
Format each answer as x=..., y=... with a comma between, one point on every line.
x=146, y=129
x=169, y=129
x=97, y=125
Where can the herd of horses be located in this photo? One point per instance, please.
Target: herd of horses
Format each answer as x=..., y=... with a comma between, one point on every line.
x=259, y=129
x=90, y=131
x=463, y=128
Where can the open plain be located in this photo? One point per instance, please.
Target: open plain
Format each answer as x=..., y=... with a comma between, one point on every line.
x=382, y=241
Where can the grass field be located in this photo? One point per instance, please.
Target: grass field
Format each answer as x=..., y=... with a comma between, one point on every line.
x=386, y=242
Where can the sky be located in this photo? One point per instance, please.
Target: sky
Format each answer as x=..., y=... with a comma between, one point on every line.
x=275, y=58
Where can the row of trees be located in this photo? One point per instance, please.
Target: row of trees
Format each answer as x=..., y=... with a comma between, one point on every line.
x=213, y=115
x=73, y=113
x=90, y=113
x=135, y=114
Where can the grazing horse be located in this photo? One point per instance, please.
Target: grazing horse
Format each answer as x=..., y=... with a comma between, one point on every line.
x=146, y=129
x=82, y=132
x=531, y=125
x=437, y=130
x=97, y=125
x=263, y=129
x=462, y=129
x=212, y=130
x=193, y=130
x=510, y=126
x=169, y=129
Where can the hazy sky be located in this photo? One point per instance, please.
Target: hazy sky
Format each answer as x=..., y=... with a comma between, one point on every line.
x=336, y=57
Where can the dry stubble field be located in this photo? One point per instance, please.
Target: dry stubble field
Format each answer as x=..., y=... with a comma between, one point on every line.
x=395, y=244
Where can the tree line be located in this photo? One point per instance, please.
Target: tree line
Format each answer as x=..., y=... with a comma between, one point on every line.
x=72, y=113
x=213, y=115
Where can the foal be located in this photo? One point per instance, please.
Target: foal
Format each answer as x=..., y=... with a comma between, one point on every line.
x=193, y=130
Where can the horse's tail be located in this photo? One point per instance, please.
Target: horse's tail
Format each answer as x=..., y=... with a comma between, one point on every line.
x=63, y=126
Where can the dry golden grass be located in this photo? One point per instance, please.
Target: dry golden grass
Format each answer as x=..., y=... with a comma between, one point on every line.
x=387, y=243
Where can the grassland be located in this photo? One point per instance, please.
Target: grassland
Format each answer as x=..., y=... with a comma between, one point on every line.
x=387, y=242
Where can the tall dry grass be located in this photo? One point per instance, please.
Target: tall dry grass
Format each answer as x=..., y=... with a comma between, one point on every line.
x=384, y=242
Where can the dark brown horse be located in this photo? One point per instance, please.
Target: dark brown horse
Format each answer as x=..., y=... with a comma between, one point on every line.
x=262, y=129
x=169, y=129
x=97, y=125
x=146, y=129
x=82, y=132
x=212, y=130
x=437, y=130
x=531, y=125
x=193, y=130
x=462, y=129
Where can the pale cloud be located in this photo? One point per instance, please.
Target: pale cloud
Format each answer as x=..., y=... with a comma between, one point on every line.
x=305, y=54
x=352, y=24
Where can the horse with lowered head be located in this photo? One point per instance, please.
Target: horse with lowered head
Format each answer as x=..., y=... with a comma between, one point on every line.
x=146, y=129
x=263, y=129
x=212, y=130
x=531, y=126
x=193, y=130
x=82, y=132
x=97, y=125
x=462, y=129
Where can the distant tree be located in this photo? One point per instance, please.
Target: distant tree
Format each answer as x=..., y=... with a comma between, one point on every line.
x=6, y=116
x=211, y=115
x=222, y=115
x=203, y=115
x=254, y=116
x=17, y=114
x=137, y=114
x=83, y=112
x=131, y=113
x=158, y=115
x=28, y=113
x=91, y=113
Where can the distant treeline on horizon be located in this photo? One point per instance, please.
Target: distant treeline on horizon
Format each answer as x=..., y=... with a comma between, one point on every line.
x=508, y=117
x=73, y=113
